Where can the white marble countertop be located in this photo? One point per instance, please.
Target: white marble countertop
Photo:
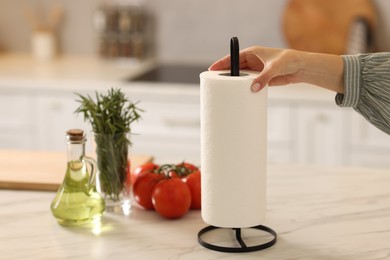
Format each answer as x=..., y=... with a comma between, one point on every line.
x=318, y=213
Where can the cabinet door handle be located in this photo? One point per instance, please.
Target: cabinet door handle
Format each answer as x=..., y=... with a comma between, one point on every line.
x=322, y=118
x=55, y=106
x=182, y=122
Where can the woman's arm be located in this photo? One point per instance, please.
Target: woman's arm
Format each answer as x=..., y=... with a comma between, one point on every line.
x=284, y=66
x=361, y=81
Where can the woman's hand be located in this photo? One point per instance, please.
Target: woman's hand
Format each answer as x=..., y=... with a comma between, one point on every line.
x=276, y=66
x=284, y=66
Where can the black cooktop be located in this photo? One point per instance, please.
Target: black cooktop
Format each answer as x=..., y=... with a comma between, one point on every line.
x=173, y=74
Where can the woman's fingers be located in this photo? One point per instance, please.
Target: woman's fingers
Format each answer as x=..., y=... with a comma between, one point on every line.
x=247, y=61
x=221, y=64
x=265, y=77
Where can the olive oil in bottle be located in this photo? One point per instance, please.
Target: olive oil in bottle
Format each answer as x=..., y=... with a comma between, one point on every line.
x=77, y=201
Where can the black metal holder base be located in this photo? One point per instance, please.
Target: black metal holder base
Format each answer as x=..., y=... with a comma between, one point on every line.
x=243, y=247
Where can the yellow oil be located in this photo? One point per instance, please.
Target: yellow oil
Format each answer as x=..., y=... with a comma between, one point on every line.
x=77, y=202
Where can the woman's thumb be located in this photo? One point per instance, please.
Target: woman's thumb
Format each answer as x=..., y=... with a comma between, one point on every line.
x=262, y=79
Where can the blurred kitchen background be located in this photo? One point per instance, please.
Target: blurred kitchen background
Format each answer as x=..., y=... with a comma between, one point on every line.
x=93, y=45
x=186, y=31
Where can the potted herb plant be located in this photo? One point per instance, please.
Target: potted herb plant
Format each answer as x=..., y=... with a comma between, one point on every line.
x=111, y=116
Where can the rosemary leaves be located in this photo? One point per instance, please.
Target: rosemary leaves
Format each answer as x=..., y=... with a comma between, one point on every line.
x=110, y=116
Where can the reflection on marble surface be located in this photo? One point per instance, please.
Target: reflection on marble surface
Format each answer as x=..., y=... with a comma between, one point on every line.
x=319, y=213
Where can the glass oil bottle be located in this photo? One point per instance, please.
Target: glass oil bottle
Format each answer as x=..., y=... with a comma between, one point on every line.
x=77, y=201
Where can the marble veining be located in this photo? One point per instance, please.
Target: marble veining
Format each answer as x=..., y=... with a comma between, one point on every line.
x=318, y=213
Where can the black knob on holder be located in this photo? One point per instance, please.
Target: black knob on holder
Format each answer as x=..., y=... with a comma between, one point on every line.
x=234, y=57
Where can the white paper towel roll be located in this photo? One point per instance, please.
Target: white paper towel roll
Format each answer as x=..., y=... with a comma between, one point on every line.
x=233, y=150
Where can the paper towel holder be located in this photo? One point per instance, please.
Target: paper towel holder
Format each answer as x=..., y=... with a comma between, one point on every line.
x=243, y=247
x=239, y=240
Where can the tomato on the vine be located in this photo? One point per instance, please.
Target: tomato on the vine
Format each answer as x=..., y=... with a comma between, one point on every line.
x=173, y=174
x=143, y=188
x=173, y=171
x=189, y=166
x=171, y=198
x=193, y=182
x=144, y=168
x=170, y=189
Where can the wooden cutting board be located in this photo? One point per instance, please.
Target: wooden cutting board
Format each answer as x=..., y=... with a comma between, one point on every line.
x=33, y=170
x=324, y=25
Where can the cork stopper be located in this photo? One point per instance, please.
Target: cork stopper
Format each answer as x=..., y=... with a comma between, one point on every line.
x=75, y=135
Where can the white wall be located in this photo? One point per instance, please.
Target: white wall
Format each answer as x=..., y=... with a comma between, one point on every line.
x=201, y=30
x=188, y=31
x=76, y=34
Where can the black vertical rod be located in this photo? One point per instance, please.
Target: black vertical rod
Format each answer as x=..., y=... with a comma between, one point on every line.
x=239, y=238
x=234, y=57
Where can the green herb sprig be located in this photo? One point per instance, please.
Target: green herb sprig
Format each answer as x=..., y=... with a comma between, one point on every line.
x=111, y=116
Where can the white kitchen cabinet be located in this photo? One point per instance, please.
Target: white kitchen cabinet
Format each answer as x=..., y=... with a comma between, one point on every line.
x=307, y=132
x=280, y=133
x=320, y=134
x=54, y=115
x=366, y=144
x=299, y=130
x=16, y=120
x=169, y=129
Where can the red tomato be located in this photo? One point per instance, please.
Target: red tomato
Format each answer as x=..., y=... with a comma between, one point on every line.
x=193, y=182
x=144, y=168
x=171, y=198
x=189, y=166
x=143, y=188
